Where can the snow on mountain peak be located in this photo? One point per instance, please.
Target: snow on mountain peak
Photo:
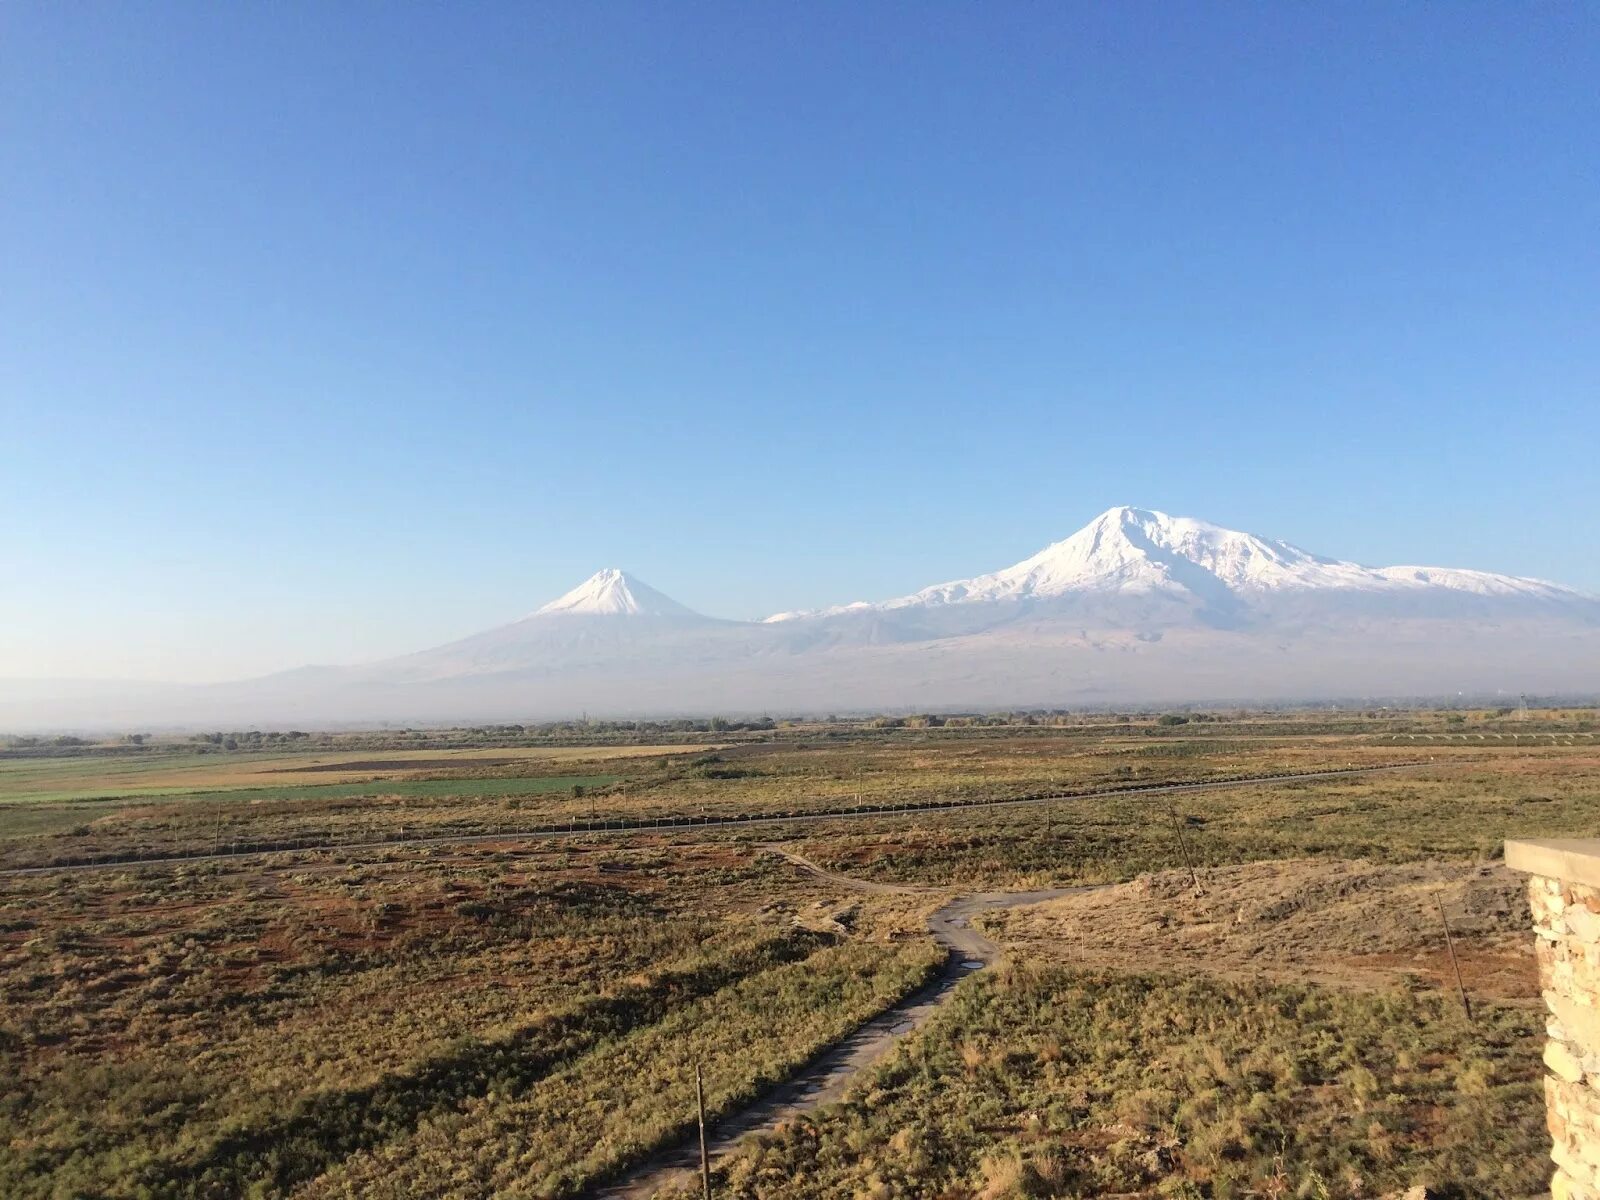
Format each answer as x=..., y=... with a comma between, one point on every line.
x=1139, y=550
x=613, y=593
x=1125, y=551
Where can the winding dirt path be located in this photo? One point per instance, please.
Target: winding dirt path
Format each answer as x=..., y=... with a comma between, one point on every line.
x=825, y=1078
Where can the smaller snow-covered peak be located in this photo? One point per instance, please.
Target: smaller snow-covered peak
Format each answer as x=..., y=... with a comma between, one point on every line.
x=613, y=593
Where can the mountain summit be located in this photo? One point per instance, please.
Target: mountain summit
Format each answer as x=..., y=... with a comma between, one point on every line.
x=1141, y=551
x=1139, y=555
x=613, y=593
x=1138, y=550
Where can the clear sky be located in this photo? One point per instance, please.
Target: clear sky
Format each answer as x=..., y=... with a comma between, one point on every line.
x=331, y=331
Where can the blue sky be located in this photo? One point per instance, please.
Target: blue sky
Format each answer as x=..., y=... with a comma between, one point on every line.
x=334, y=331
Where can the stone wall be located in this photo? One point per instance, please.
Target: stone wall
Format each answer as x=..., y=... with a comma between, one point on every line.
x=1564, y=896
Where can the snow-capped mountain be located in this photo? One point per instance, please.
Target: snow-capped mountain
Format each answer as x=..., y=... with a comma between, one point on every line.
x=613, y=593
x=1135, y=552
x=1137, y=606
x=611, y=617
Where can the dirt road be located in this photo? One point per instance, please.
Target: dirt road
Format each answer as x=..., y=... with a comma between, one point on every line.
x=825, y=1078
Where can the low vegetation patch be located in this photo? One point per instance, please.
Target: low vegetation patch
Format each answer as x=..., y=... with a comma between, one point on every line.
x=522, y=1017
x=1358, y=923
x=1048, y=1082
x=615, y=1105
x=215, y=1032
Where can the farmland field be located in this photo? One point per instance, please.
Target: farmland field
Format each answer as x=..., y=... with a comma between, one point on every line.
x=518, y=1015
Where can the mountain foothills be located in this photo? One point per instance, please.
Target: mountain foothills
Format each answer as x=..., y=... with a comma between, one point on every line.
x=1136, y=607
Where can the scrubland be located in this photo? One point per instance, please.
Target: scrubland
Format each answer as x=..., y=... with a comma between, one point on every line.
x=1044, y=1081
x=522, y=1017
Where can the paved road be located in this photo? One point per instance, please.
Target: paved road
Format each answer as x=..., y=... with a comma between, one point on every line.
x=825, y=1078
x=735, y=820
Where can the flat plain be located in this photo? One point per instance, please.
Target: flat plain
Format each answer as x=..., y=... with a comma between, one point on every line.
x=385, y=1011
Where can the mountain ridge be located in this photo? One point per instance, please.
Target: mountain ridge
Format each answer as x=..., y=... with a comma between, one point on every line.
x=1135, y=551
x=1135, y=607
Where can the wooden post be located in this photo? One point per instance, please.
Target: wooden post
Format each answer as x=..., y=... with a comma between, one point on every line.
x=1450, y=945
x=1183, y=846
x=700, y=1107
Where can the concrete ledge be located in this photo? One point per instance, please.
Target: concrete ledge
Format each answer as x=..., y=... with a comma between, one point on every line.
x=1575, y=860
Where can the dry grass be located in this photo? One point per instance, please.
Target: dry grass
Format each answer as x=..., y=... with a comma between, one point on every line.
x=1361, y=923
x=175, y=772
x=1461, y=808
x=206, y=1032
x=1047, y=1082
x=338, y=1023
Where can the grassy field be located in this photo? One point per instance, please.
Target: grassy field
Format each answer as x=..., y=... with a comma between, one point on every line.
x=1041, y=1081
x=178, y=771
x=522, y=1017
x=1461, y=807
x=219, y=1029
x=283, y=798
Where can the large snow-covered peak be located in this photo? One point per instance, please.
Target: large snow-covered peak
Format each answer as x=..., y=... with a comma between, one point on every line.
x=1158, y=544
x=1142, y=551
x=613, y=593
x=1128, y=549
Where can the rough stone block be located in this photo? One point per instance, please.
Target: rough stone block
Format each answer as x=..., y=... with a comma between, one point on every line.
x=1558, y=1056
x=1580, y=1172
x=1562, y=1187
x=1582, y=922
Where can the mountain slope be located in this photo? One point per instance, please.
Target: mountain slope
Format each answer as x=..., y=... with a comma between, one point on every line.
x=609, y=617
x=1136, y=607
x=1134, y=550
x=1132, y=566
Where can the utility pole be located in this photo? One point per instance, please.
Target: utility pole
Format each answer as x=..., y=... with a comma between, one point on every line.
x=700, y=1109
